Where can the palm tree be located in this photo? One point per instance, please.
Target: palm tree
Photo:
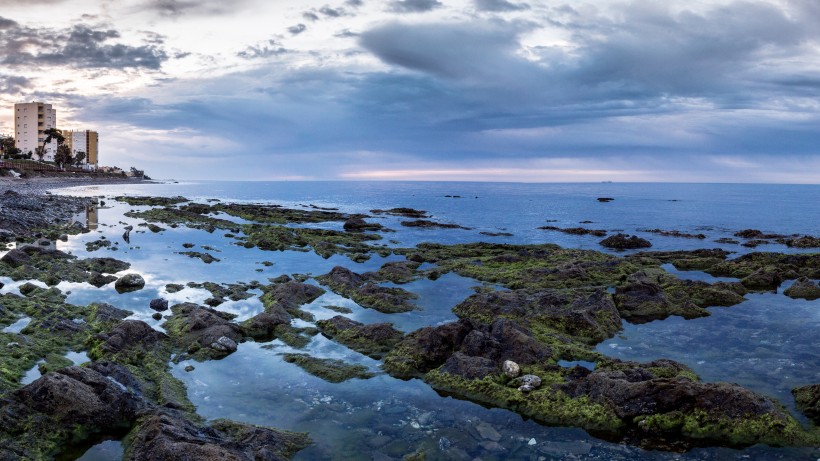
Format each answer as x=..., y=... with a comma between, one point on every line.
x=51, y=133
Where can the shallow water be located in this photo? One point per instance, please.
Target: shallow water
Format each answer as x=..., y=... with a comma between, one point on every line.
x=769, y=343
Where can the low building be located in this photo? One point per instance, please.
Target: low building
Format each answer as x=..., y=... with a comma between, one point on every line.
x=31, y=119
x=86, y=141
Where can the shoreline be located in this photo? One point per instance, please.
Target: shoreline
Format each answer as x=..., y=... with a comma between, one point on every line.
x=40, y=184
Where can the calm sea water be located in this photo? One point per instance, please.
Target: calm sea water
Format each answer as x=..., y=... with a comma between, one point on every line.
x=769, y=343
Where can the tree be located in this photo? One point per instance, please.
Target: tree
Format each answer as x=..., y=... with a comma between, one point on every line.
x=51, y=133
x=63, y=156
x=7, y=147
x=78, y=159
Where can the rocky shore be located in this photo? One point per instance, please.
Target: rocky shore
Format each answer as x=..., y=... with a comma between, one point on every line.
x=542, y=306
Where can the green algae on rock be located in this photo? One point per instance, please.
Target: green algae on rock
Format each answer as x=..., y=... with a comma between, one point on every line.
x=367, y=294
x=374, y=340
x=54, y=266
x=331, y=370
x=150, y=200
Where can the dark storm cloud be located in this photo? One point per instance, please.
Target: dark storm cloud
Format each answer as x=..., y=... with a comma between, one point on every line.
x=414, y=6
x=14, y=84
x=499, y=5
x=7, y=23
x=81, y=46
x=297, y=29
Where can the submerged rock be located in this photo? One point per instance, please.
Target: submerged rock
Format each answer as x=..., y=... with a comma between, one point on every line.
x=331, y=370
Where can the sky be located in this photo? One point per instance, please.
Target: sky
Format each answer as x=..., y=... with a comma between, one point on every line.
x=467, y=90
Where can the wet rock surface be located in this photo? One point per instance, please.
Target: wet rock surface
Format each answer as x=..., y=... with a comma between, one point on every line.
x=366, y=293
x=808, y=401
x=203, y=332
x=625, y=242
x=374, y=340
x=167, y=436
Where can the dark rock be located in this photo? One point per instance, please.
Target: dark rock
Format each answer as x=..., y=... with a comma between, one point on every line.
x=576, y=230
x=357, y=224
x=15, y=258
x=469, y=367
x=159, y=304
x=129, y=282
x=130, y=336
x=605, y=199
x=262, y=326
x=200, y=330
x=803, y=288
x=431, y=224
x=625, y=242
x=406, y=212
x=765, y=278
x=427, y=348
x=374, y=340
x=99, y=280
x=166, y=436
x=808, y=401
x=81, y=396
x=108, y=313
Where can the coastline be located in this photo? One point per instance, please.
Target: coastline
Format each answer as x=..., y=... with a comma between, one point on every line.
x=38, y=185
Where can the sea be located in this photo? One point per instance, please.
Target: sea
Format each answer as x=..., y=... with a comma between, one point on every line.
x=770, y=343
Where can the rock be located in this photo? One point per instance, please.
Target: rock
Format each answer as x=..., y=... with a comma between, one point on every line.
x=108, y=313
x=511, y=369
x=765, y=278
x=156, y=316
x=528, y=383
x=425, y=224
x=262, y=326
x=426, y=349
x=367, y=294
x=126, y=236
x=131, y=336
x=374, y=340
x=469, y=367
x=357, y=224
x=200, y=330
x=129, y=282
x=167, y=436
x=487, y=432
x=331, y=370
x=224, y=344
x=99, y=280
x=15, y=258
x=159, y=304
x=69, y=406
x=625, y=242
x=605, y=199
x=803, y=288
x=808, y=401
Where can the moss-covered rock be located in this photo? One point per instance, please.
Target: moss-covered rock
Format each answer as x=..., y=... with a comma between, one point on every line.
x=374, y=340
x=803, y=288
x=367, y=294
x=201, y=332
x=150, y=201
x=331, y=370
x=808, y=401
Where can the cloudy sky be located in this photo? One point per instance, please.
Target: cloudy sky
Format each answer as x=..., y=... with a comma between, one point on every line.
x=504, y=90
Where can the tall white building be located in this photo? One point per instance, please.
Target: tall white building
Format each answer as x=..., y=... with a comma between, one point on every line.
x=84, y=141
x=31, y=119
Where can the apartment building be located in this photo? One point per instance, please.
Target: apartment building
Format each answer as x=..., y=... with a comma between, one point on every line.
x=84, y=141
x=31, y=119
